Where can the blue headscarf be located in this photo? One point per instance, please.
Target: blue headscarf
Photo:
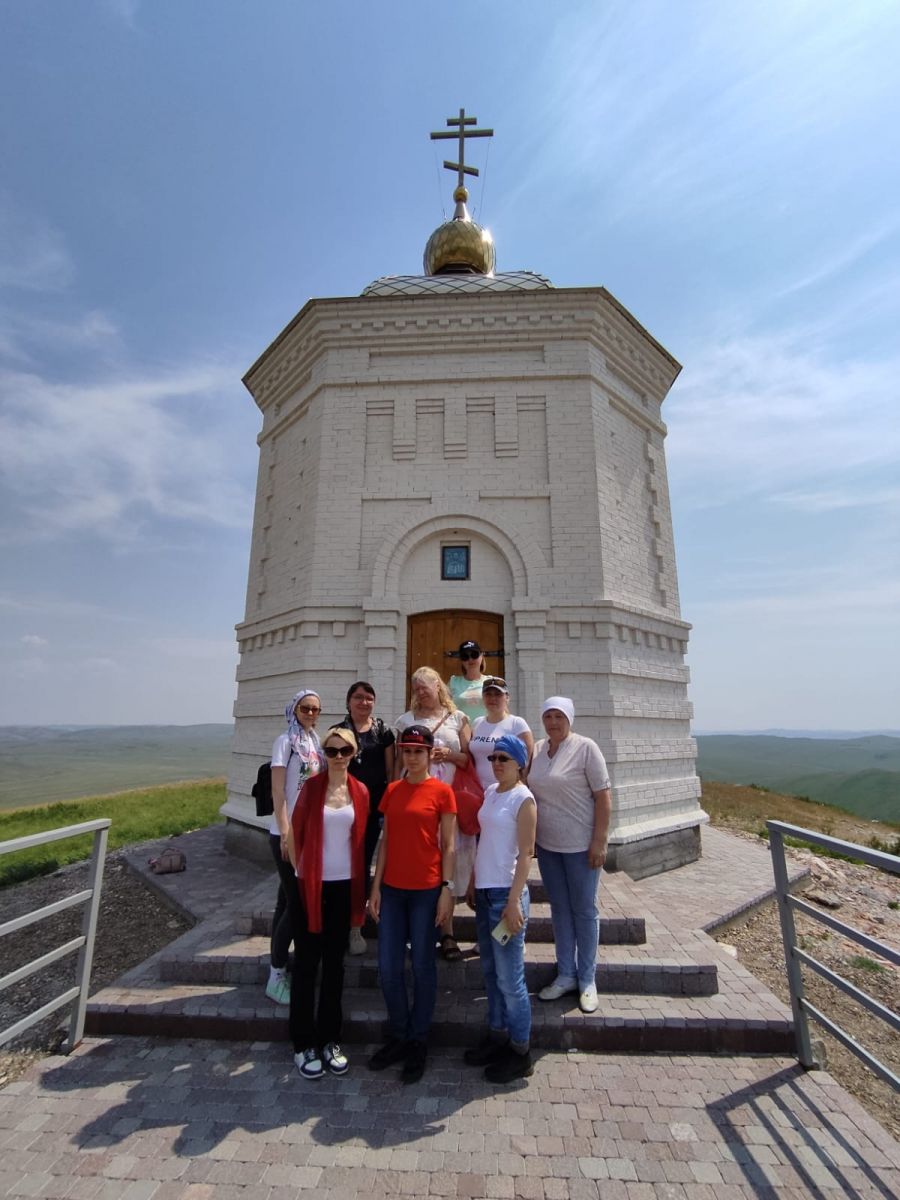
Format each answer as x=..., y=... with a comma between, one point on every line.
x=514, y=747
x=304, y=742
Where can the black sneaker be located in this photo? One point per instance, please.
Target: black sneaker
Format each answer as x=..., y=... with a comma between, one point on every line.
x=414, y=1067
x=488, y=1050
x=391, y=1052
x=511, y=1066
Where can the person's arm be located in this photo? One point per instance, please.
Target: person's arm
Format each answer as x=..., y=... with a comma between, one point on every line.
x=526, y=824
x=294, y=838
x=389, y=757
x=374, y=901
x=602, y=811
x=448, y=866
x=279, y=806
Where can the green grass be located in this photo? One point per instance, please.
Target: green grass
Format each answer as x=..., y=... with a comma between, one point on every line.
x=136, y=816
x=866, y=964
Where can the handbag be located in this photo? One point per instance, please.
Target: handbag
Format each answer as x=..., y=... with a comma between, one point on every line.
x=469, y=799
x=171, y=860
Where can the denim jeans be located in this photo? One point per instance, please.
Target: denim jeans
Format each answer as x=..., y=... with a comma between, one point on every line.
x=572, y=891
x=509, y=1008
x=407, y=915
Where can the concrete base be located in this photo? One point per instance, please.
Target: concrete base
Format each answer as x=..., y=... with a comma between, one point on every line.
x=247, y=841
x=653, y=855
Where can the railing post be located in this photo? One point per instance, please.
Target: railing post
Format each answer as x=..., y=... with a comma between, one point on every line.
x=89, y=931
x=789, y=938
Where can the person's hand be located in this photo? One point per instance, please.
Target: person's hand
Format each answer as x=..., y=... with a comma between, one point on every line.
x=513, y=916
x=470, y=894
x=284, y=848
x=596, y=854
x=444, y=907
x=440, y=753
x=374, y=903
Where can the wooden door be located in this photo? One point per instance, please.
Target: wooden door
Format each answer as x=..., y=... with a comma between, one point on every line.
x=433, y=640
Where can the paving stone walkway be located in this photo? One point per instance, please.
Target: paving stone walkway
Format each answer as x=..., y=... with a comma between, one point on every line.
x=138, y=1119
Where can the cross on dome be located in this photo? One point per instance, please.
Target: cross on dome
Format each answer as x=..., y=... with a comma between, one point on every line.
x=462, y=121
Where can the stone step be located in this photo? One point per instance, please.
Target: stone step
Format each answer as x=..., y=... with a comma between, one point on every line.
x=622, y=1023
x=614, y=931
x=246, y=961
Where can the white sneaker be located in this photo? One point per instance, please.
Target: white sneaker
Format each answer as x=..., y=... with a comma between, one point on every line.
x=588, y=1001
x=309, y=1064
x=561, y=986
x=279, y=988
x=335, y=1058
x=357, y=942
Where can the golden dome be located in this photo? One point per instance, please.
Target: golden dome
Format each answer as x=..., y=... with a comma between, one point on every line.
x=460, y=246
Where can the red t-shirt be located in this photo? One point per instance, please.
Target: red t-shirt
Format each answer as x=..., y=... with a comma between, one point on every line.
x=412, y=813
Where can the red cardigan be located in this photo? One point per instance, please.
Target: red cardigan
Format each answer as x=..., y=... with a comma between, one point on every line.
x=307, y=823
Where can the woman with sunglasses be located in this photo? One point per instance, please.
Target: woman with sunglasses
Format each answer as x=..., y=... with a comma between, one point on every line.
x=412, y=893
x=328, y=830
x=508, y=819
x=373, y=765
x=466, y=688
x=296, y=757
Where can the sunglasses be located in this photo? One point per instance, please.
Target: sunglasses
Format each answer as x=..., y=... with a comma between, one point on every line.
x=307, y=711
x=467, y=655
x=338, y=751
x=499, y=758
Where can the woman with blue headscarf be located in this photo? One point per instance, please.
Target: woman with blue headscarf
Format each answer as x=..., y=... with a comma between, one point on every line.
x=296, y=757
x=508, y=819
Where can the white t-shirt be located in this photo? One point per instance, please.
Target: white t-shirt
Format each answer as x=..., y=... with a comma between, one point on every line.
x=446, y=733
x=297, y=774
x=498, y=846
x=563, y=787
x=336, y=831
x=481, y=744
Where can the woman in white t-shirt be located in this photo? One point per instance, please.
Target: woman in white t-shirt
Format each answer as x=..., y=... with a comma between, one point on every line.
x=327, y=848
x=496, y=722
x=296, y=757
x=500, y=890
x=570, y=782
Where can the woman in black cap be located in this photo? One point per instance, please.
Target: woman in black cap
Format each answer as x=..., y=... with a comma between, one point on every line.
x=412, y=893
x=466, y=688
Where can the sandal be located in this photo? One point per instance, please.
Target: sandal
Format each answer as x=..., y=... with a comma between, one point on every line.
x=450, y=951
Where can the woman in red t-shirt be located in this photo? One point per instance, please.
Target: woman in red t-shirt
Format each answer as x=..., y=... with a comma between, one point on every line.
x=412, y=893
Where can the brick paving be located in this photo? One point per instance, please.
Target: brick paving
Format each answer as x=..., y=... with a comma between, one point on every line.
x=144, y=1119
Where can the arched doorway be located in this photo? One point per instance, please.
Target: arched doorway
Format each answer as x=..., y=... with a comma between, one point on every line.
x=433, y=640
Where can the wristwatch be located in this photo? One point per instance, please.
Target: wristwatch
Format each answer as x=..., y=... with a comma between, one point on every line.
x=449, y=885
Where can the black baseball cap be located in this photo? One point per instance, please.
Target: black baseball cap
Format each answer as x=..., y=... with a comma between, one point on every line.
x=494, y=681
x=416, y=735
x=468, y=647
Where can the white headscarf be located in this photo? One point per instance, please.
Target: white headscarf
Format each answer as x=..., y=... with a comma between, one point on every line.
x=304, y=742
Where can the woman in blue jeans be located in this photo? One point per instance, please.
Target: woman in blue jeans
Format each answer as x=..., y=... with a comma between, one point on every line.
x=500, y=892
x=570, y=783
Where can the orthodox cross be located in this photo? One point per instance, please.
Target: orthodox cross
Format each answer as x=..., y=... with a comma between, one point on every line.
x=462, y=121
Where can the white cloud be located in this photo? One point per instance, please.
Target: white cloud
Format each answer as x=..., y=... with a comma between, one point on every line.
x=758, y=416
x=843, y=258
x=106, y=456
x=33, y=639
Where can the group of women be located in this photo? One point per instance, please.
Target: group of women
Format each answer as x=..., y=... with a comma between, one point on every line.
x=366, y=786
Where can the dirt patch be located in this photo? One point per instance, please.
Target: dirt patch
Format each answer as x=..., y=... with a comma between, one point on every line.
x=134, y=922
x=861, y=897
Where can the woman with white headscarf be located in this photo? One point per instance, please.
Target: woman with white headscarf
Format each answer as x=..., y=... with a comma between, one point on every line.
x=296, y=757
x=570, y=783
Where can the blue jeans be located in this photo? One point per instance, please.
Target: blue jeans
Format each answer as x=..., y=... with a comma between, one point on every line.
x=407, y=915
x=572, y=891
x=509, y=1008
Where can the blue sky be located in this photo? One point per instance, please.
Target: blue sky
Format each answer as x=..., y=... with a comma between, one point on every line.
x=180, y=177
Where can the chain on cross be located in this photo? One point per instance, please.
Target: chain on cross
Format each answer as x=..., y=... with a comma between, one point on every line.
x=464, y=132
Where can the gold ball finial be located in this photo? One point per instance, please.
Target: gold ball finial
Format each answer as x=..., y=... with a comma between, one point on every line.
x=461, y=195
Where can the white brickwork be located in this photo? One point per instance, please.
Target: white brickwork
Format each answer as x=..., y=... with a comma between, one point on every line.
x=525, y=424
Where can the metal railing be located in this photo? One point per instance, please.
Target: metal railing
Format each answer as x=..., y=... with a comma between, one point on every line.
x=84, y=944
x=794, y=956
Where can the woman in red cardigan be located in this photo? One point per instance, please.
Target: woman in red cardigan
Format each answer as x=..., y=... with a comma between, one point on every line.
x=326, y=846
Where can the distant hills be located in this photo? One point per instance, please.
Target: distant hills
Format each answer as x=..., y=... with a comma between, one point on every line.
x=860, y=774
x=43, y=764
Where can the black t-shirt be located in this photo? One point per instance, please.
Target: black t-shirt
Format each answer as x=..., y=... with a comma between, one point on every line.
x=368, y=765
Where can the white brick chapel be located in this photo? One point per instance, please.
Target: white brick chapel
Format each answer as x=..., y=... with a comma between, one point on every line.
x=503, y=432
